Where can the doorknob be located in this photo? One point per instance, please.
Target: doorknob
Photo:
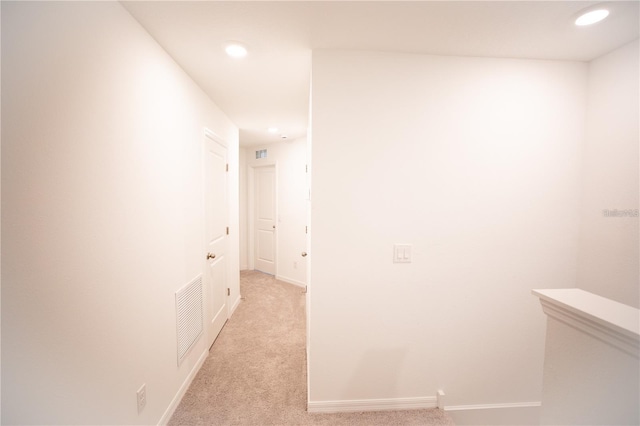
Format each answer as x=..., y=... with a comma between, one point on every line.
x=211, y=256
x=303, y=254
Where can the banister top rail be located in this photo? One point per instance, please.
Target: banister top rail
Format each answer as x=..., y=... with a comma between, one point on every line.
x=606, y=319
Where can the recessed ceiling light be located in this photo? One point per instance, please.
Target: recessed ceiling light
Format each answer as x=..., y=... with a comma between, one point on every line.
x=273, y=130
x=592, y=17
x=236, y=50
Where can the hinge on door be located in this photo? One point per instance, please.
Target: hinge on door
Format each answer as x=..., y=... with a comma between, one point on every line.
x=306, y=229
x=228, y=292
x=306, y=168
x=227, y=230
x=227, y=167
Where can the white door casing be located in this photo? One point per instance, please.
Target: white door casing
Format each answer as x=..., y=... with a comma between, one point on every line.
x=265, y=219
x=216, y=221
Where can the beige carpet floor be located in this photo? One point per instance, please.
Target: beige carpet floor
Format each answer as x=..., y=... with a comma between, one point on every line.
x=255, y=373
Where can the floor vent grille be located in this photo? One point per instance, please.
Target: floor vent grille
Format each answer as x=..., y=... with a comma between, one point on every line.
x=189, y=316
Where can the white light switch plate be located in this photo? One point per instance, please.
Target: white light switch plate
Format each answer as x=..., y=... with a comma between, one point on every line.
x=402, y=253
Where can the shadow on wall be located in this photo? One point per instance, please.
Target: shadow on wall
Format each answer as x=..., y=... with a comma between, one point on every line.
x=387, y=363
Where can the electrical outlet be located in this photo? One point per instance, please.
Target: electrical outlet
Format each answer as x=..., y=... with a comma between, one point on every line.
x=142, y=397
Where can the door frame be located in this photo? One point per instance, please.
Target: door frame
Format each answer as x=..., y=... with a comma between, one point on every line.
x=251, y=204
x=216, y=138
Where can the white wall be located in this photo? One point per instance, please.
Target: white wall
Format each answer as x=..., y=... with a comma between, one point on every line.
x=101, y=211
x=609, y=254
x=475, y=162
x=290, y=161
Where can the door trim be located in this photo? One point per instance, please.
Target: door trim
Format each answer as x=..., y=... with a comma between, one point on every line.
x=251, y=213
x=215, y=137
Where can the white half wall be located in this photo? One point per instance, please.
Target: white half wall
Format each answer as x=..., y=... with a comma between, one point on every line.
x=102, y=214
x=475, y=163
x=290, y=159
x=592, y=360
x=609, y=257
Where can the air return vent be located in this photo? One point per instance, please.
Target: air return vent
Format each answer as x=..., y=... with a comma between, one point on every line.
x=189, y=316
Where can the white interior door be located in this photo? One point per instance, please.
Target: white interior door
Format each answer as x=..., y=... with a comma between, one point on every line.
x=216, y=222
x=265, y=219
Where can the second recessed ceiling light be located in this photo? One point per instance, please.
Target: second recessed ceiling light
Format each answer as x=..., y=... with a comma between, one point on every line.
x=236, y=50
x=592, y=17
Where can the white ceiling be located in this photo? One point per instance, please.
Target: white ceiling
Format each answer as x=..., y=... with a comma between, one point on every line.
x=270, y=87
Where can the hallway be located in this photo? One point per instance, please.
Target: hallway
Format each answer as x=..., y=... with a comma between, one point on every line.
x=256, y=370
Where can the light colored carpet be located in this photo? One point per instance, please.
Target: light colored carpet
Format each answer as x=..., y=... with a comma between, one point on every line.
x=256, y=370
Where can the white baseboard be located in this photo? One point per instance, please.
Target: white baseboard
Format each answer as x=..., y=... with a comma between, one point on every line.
x=244, y=267
x=183, y=389
x=518, y=413
x=290, y=281
x=371, y=405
